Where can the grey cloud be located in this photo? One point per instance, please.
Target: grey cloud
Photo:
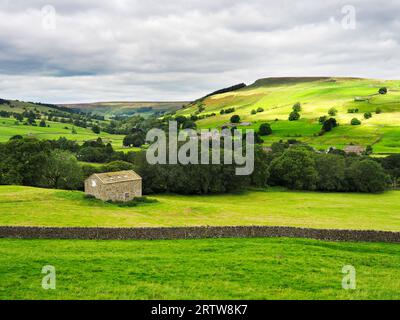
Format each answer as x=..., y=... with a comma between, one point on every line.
x=182, y=49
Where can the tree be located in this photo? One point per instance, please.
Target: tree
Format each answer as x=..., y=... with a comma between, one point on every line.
x=259, y=109
x=329, y=124
x=378, y=110
x=367, y=115
x=383, y=90
x=134, y=140
x=96, y=129
x=331, y=172
x=295, y=169
x=189, y=124
x=322, y=119
x=253, y=111
x=294, y=115
x=235, y=119
x=42, y=123
x=63, y=170
x=392, y=166
x=355, y=122
x=297, y=107
x=367, y=176
x=332, y=112
x=265, y=129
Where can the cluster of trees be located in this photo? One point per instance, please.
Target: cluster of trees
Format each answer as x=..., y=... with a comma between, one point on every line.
x=54, y=164
x=227, y=110
x=258, y=110
x=303, y=169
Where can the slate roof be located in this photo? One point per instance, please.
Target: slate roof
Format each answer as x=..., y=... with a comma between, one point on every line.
x=119, y=176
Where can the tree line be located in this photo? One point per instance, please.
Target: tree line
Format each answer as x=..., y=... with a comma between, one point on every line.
x=58, y=164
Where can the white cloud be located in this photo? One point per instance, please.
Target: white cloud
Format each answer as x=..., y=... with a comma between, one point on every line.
x=183, y=49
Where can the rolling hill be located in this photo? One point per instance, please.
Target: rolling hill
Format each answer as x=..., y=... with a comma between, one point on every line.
x=127, y=108
x=317, y=95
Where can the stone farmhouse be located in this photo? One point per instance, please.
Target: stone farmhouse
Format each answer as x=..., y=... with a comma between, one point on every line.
x=114, y=186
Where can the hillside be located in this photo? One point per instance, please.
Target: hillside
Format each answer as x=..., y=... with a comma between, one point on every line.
x=126, y=108
x=58, y=123
x=317, y=95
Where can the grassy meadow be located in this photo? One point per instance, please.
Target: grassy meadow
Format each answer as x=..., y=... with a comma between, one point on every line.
x=268, y=268
x=277, y=96
x=26, y=206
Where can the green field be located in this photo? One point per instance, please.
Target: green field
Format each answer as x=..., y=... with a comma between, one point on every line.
x=9, y=128
x=270, y=268
x=274, y=207
x=276, y=96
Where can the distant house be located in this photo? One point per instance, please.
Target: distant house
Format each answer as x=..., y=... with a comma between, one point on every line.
x=114, y=186
x=354, y=149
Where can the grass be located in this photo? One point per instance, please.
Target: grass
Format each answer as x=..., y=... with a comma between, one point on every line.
x=269, y=268
x=277, y=98
x=275, y=207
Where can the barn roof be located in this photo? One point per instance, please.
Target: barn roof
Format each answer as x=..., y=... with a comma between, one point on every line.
x=355, y=149
x=119, y=176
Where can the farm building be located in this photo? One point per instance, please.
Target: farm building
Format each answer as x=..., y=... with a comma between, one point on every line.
x=114, y=186
x=354, y=149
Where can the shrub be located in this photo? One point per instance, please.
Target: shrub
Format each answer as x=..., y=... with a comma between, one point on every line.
x=383, y=90
x=378, y=110
x=355, y=122
x=367, y=115
x=322, y=119
x=260, y=109
x=332, y=112
x=297, y=107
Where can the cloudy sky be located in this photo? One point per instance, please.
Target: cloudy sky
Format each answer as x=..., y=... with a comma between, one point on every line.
x=68, y=51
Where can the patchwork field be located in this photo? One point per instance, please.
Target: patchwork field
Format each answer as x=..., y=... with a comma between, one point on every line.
x=9, y=128
x=26, y=206
x=277, y=96
x=182, y=269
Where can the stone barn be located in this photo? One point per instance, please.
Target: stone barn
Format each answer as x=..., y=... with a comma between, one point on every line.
x=114, y=186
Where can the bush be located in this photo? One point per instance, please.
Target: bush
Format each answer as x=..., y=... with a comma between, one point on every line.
x=332, y=112
x=322, y=119
x=354, y=110
x=355, y=122
x=260, y=109
x=367, y=115
x=378, y=110
x=297, y=107
x=96, y=129
x=253, y=111
x=383, y=90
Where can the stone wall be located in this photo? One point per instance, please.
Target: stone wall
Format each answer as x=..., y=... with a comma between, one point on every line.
x=196, y=233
